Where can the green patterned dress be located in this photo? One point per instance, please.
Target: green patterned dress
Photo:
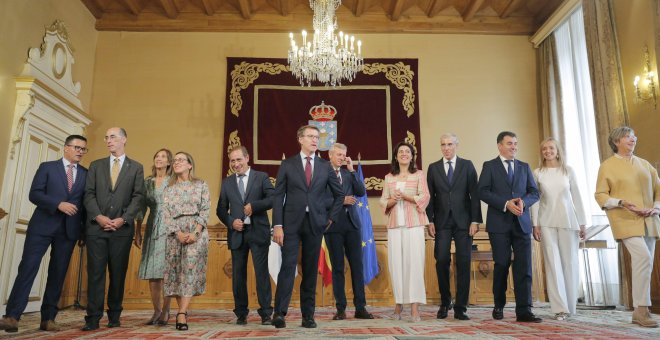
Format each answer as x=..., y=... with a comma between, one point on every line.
x=152, y=264
x=186, y=204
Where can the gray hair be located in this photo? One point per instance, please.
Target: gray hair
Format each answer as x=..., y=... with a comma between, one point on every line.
x=617, y=134
x=449, y=135
x=339, y=146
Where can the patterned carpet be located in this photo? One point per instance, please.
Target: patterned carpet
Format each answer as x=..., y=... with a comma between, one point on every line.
x=206, y=324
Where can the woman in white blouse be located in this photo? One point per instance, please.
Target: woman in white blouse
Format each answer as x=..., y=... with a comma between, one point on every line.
x=404, y=199
x=559, y=222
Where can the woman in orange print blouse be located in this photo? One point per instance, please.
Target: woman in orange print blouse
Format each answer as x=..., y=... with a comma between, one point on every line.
x=405, y=196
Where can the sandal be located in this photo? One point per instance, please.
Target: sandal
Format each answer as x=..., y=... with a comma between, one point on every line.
x=163, y=322
x=154, y=319
x=181, y=326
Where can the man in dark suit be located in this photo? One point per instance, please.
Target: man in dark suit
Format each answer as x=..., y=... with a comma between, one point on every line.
x=344, y=236
x=300, y=215
x=57, y=191
x=245, y=198
x=455, y=212
x=113, y=196
x=508, y=187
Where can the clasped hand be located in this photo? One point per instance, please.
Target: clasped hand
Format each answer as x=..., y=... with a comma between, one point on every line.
x=186, y=238
x=516, y=206
x=639, y=211
x=108, y=224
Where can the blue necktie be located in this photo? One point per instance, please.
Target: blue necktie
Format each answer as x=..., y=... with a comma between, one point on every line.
x=450, y=172
x=509, y=174
x=241, y=186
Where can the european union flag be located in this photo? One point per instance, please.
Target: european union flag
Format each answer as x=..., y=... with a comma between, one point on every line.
x=369, y=258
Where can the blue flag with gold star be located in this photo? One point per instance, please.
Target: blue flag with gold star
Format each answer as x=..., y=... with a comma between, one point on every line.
x=369, y=258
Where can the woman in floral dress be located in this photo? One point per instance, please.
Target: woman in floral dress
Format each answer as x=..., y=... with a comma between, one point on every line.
x=186, y=207
x=152, y=264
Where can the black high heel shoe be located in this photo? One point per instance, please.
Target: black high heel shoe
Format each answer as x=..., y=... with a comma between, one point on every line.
x=154, y=319
x=161, y=322
x=180, y=325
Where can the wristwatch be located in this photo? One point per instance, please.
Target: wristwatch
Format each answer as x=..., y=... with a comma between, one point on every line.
x=196, y=233
x=620, y=204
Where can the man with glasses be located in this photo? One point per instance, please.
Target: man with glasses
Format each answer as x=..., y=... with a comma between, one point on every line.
x=301, y=215
x=57, y=222
x=113, y=195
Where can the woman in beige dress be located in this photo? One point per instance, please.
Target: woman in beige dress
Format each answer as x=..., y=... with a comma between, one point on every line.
x=404, y=199
x=186, y=206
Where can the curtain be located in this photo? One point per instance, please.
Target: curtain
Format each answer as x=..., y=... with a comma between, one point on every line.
x=605, y=68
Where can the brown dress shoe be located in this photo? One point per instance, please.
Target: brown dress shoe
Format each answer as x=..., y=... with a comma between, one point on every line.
x=49, y=326
x=9, y=324
x=642, y=317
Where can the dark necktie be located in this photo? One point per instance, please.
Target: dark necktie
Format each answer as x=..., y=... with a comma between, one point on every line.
x=509, y=174
x=450, y=172
x=308, y=170
x=241, y=186
x=69, y=177
x=338, y=176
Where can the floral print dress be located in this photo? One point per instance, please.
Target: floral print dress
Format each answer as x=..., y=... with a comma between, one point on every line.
x=186, y=204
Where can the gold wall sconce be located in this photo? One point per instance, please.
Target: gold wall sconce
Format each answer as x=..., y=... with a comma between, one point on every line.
x=645, y=82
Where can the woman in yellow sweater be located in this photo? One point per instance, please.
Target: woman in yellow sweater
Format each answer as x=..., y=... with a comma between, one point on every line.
x=628, y=188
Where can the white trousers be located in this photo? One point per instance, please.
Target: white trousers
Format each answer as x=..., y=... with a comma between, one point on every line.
x=641, y=251
x=406, y=253
x=560, y=255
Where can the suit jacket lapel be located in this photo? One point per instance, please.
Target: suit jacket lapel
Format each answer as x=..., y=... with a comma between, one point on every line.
x=62, y=173
x=458, y=170
x=443, y=173
x=80, y=174
x=500, y=167
x=316, y=170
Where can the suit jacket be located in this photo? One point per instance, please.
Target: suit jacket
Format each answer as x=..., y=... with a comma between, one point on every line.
x=460, y=197
x=50, y=188
x=349, y=217
x=258, y=193
x=292, y=194
x=494, y=190
x=124, y=201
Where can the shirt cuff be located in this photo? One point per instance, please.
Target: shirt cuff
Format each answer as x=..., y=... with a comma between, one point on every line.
x=611, y=203
x=504, y=210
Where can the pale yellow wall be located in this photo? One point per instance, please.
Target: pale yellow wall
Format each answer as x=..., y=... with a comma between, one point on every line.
x=635, y=28
x=22, y=26
x=168, y=90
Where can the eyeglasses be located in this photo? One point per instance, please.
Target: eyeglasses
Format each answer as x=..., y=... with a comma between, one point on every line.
x=78, y=148
x=312, y=137
x=180, y=160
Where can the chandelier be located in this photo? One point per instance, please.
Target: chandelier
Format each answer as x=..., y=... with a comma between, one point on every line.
x=326, y=57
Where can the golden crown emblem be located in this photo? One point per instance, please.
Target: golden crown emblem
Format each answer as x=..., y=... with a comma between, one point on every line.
x=323, y=112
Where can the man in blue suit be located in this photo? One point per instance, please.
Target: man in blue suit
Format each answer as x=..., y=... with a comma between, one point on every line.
x=300, y=215
x=57, y=222
x=344, y=237
x=507, y=186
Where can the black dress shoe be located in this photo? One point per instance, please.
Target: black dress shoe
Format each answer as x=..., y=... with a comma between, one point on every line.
x=443, y=311
x=113, y=324
x=498, y=313
x=308, y=323
x=340, y=315
x=278, y=321
x=90, y=326
x=363, y=314
x=241, y=320
x=266, y=320
x=528, y=317
x=461, y=316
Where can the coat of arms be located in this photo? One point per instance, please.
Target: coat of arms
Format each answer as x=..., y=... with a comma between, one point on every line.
x=323, y=115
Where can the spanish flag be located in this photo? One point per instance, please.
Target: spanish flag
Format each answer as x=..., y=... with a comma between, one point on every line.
x=325, y=268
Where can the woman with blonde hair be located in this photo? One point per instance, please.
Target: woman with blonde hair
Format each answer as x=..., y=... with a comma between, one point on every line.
x=186, y=205
x=152, y=263
x=559, y=223
x=404, y=199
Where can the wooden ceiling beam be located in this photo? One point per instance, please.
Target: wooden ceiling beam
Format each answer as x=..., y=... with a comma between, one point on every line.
x=208, y=7
x=133, y=6
x=511, y=7
x=396, y=10
x=360, y=7
x=435, y=7
x=473, y=7
x=246, y=11
x=93, y=8
x=283, y=6
x=170, y=8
